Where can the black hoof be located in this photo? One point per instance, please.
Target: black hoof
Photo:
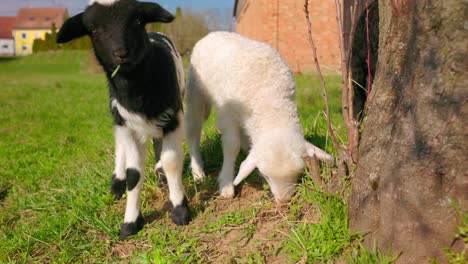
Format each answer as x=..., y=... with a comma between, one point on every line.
x=117, y=187
x=162, y=180
x=130, y=229
x=180, y=214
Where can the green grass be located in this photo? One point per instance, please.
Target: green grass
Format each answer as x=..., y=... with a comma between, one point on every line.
x=454, y=255
x=56, y=156
x=325, y=240
x=362, y=255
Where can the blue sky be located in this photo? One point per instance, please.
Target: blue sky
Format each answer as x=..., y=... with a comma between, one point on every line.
x=10, y=7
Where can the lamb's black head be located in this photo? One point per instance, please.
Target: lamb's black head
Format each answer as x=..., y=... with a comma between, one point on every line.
x=117, y=29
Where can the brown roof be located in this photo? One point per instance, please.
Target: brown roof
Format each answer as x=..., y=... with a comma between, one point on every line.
x=6, y=27
x=40, y=18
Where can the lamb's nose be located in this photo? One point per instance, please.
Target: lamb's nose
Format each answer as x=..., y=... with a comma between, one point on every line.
x=120, y=53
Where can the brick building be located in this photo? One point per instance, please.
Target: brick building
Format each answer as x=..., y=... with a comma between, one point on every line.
x=282, y=24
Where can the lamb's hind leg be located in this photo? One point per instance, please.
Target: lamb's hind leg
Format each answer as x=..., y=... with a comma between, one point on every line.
x=135, y=153
x=197, y=110
x=172, y=158
x=158, y=170
x=230, y=137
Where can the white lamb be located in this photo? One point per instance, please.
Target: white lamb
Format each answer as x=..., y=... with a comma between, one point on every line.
x=253, y=90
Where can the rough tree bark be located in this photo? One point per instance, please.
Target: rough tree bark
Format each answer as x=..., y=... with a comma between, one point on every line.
x=413, y=154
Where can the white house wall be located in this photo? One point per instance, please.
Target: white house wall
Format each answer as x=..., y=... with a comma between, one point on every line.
x=7, y=47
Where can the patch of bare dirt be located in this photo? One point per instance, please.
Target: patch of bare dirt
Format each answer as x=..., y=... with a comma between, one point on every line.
x=259, y=237
x=123, y=249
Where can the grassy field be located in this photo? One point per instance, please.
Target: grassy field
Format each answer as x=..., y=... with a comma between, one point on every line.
x=56, y=156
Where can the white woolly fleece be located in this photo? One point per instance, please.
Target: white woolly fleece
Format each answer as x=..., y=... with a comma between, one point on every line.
x=253, y=89
x=257, y=86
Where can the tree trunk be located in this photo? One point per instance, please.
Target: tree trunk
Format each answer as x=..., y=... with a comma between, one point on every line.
x=413, y=153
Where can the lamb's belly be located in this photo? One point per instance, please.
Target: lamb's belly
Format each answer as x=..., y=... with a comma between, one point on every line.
x=139, y=123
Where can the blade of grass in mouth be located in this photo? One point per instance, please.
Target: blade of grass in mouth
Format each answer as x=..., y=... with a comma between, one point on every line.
x=115, y=71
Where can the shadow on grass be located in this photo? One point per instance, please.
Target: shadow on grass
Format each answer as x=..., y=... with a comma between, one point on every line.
x=4, y=191
x=319, y=141
x=155, y=215
x=7, y=59
x=202, y=194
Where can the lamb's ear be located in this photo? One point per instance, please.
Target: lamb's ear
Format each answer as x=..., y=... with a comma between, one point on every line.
x=312, y=150
x=246, y=167
x=153, y=12
x=72, y=28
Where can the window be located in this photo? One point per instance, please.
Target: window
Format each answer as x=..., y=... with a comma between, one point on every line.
x=38, y=35
x=5, y=46
x=24, y=35
x=24, y=48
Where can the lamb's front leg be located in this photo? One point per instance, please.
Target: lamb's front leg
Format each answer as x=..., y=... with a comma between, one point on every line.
x=119, y=177
x=172, y=162
x=230, y=137
x=135, y=153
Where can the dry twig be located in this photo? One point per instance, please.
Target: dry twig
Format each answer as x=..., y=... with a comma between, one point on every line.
x=313, y=165
x=352, y=126
x=342, y=152
x=351, y=34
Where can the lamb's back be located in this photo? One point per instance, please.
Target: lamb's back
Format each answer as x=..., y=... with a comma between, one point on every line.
x=235, y=68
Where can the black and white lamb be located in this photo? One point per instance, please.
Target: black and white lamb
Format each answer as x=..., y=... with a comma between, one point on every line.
x=146, y=80
x=253, y=90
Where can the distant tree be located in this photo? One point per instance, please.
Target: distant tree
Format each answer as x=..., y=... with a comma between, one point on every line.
x=82, y=43
x=159, y=27
x=187, y=28
x=176, y=28
x=178, y=13
x=53, y=36
x=35, y=46
x=155, y=27
x=219, y=19
x=38, y=45
x=86, y=43
x=48, y=42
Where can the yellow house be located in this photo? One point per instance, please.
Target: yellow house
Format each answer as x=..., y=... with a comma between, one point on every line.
x=34, y=23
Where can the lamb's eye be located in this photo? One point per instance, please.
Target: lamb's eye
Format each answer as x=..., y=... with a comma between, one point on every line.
x=93, y=30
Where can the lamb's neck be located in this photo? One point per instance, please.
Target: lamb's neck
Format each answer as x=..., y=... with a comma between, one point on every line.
x=280, y=128
x=284, y=140
x=284, y=119
x=132, y=78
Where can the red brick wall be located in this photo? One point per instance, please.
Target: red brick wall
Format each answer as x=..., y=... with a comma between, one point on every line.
x=281, y=23
x=257, y=20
